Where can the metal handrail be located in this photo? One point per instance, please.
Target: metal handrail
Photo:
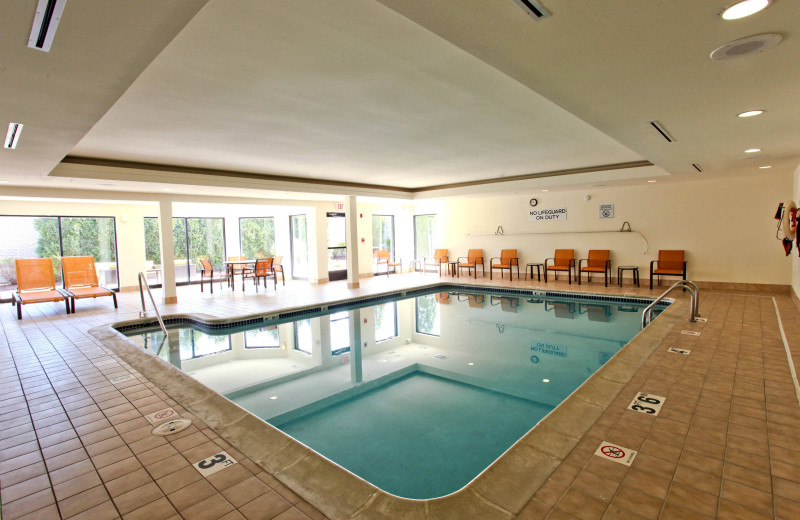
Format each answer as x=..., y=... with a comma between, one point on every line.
x=694, y=292
x=143, y=312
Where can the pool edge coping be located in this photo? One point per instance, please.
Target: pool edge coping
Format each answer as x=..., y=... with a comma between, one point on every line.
x=500, y=491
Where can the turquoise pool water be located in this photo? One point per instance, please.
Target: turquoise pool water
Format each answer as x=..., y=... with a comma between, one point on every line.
x=417, y=395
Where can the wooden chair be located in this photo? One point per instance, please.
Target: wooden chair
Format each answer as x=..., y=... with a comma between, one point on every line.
x=670, y=262
x=507, y=304
x=207, y=271
x=563, y=260
x=599, y=261
x=36, y=283
x=80, y=279
x=439, y=257
x=385, y=259
x=471, y=262
x=508, y=259
x=262, y=269
x=278, y=268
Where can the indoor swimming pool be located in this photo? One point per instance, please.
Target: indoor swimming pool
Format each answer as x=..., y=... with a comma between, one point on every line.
x=416, y=393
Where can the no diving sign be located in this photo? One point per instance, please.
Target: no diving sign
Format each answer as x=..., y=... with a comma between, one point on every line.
x=610, y=451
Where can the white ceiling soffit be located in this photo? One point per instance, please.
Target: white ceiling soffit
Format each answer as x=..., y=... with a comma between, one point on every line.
x=98, y=51
x=619, y=65
x=345, y=91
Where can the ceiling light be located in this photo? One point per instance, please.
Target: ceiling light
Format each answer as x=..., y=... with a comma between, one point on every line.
x=471, y=364
x=45, y=22
x=545, y=190
x=165, y=189
x=3, y=181
x=743, y=9
x=752, y=150
x=273, y=397
x=12, y=137
x=651, y=181
x=545, y=380
x=760, y=167
x=746, y=46
x=751, y=113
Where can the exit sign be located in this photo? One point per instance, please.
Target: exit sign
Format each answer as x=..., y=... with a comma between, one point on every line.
x=340, y=206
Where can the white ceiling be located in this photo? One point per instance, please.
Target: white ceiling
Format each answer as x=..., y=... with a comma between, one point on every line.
x=391, y=97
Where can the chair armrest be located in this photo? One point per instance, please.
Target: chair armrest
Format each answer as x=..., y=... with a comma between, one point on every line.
x=580, y=263
x=651, y=266
x=491, y=260
x=572, y=263
x=545, y=262
x=515, y=261
x=460, y=257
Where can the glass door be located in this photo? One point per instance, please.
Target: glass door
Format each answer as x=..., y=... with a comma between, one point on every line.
x=337, y=248
x=424, y=226
x=298, y=230
x=383, y=233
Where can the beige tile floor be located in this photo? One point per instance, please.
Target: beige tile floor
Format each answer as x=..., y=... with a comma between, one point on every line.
x=725, y=445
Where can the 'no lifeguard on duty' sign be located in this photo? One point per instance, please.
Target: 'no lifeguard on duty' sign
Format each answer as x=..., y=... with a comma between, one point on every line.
x=541, y=215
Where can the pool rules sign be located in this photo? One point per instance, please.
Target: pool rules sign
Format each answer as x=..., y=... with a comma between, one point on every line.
x=544, y=215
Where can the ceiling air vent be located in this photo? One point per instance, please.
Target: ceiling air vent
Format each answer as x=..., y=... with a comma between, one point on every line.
x=534, y=9
x=661, y=130
x=45, y=22
x=12, y=137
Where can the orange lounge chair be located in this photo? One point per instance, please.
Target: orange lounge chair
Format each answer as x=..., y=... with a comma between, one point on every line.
x=508, y=259
x=565, y=310
x=507, y=304
x=564, y=260
x=442, y=297
x=474, y=300
x=385, y=259
x=471, y=262
x=670, y=263
x=439, y=257
x=80, y=279
x=595, y=312
x=599, y=261
x=262, y=269
x=36, y=283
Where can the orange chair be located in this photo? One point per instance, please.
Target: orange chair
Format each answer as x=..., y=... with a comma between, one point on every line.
x=207, y=271
x=80, y=279
x=564, y=260
x=36, y=283
x=670, y=263
x=442, y=297
x=385, y=259
x=262, y=269
x=474, y=300
x=439, y=257
x=507, y=304
x=599, y=261
x=278, y=268
x=564, y=310
x=508, y=259
x=471, y=262
x=234, y=269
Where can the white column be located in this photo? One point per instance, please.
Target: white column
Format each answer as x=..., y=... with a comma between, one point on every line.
x=351, y=240
x=356, y=372
x=167, y=252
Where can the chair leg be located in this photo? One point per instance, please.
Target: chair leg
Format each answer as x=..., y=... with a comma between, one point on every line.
x=114, y=296
x=19, y=311
x=66, y=300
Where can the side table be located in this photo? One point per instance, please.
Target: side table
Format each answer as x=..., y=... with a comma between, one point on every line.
x=529, y=268
x=621, y=271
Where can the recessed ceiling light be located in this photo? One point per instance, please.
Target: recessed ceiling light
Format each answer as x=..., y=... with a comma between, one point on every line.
x=12, y=137
x=3, y=181
x=545, y=380
x=760, y=167
x=651, y=181
x=165, y=189
x=752, y=150
x=273, y=397
x=751, y=113
x=471, y=364
x=743, y=9
x=545, y=190
x=746, y=46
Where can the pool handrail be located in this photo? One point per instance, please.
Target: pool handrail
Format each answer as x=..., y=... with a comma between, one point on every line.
x=694, y=294
x=143, y=312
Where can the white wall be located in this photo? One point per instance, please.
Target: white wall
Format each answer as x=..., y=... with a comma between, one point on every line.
x=795, y=257
x=726, y=227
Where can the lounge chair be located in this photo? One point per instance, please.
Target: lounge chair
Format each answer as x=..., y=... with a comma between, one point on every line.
x=80, y=279
x=439, y=257
x=565, y=310
x=595, y=312
x=508, y=258
x=385, y=259
x=262, y=269
x=670, y=263
x=599, y=261
x=36, y=283
x=474, y=300
x=442, y=297
x=471, y=262
x=507, y=304
x=563, y=260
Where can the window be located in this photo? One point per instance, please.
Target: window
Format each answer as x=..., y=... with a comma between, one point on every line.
x=385, y=321
x=257, y=236
x=299, y=246
x=427, y=315
x=340, y=332
x=194, y=238
x=54, y=237
x=302, y=336
x=195, y=344
x=383, y=233
x=265, y=337
x=424, y=229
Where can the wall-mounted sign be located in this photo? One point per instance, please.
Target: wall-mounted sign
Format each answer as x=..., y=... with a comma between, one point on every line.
x=339, y=206
x=334, y=214
x=606, y=211
x=538, y=215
